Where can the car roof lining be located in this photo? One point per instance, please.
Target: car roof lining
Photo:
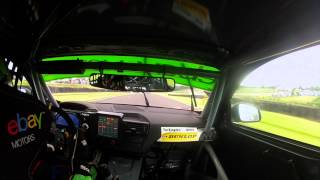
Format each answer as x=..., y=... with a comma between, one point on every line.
x=243, y=28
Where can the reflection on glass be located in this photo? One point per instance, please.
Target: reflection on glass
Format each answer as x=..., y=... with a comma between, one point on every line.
x=248, y=113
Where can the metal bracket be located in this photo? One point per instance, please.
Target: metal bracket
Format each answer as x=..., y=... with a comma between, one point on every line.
x=209, y=135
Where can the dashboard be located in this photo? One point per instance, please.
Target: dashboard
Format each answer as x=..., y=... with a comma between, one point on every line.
x=127, y=128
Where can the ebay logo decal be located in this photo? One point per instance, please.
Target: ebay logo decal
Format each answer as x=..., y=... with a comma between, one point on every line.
x=21, y=123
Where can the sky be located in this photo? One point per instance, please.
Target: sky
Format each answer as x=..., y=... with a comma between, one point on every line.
x=297, y=69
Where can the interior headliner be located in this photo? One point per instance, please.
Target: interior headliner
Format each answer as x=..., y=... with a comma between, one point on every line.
x=239, y=30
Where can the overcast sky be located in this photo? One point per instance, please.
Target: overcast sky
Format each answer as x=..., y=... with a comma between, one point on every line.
x=301, y=68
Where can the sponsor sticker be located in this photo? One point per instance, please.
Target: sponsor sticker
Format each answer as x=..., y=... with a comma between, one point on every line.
x=193, y=12
x=180, y=134
x=22, y=124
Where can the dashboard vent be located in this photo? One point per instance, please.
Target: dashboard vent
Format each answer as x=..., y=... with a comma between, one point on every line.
x=134, y=128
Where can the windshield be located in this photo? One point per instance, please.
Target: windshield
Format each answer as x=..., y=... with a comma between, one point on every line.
x=78, y=89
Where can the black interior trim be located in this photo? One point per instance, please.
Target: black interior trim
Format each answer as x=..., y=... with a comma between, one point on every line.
x=294, y=147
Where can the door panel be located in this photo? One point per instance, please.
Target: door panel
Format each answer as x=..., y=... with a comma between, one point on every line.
x=249, y=157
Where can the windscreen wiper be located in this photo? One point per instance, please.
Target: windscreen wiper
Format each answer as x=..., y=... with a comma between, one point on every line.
x=146, y=99
x=193, y=97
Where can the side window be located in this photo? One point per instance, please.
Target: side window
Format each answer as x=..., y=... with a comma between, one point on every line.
x=9, y=76
x=24, y=86
x=286, y=92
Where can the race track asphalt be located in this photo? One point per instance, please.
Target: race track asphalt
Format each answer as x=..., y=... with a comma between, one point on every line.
x=138, y=99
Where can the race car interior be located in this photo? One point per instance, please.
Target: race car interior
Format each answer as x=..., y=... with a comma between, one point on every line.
x=108, y=129
x=142, y=89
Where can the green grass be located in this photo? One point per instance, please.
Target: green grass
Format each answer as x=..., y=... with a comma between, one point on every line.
x=309, y=101
x=296, y=128
x=316, y=102
x=25, y=83
x=291, y=127
x=265, y=94
x=64, y=85
x=254, y=92
x=250, y=90
x=85, y=96
x=201, y=102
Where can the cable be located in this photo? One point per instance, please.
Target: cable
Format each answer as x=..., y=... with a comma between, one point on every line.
x=74, y=150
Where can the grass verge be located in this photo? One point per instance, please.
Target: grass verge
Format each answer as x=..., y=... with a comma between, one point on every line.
x=201, y=102
x=85, y=96
x=291, y=127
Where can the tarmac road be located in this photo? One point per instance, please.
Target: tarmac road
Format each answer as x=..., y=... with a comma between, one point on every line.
x=138, y=99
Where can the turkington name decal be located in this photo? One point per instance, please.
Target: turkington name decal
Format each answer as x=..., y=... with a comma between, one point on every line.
x=180, y=134
x=23, y=124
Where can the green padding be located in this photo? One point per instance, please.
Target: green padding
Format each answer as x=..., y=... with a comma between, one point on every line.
x=197, y=82
x=93, y=175
x=81, y=177
x=133, y=59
